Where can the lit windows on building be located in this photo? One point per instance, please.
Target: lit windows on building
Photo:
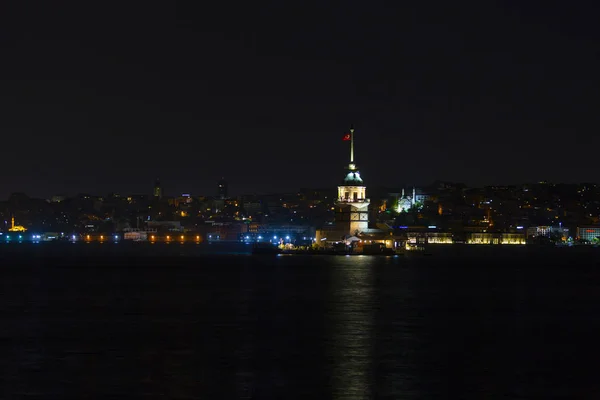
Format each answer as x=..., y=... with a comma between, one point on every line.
x=439, y=238
x=589, y=233
x=496, y=238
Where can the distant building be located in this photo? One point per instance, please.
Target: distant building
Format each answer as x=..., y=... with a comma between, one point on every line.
x=496, y=238
x=548, y=231
x=58, y=199
x=406, y=203
x=165, y=225
x=588, y=233
x=222, y=189
x=157, y=190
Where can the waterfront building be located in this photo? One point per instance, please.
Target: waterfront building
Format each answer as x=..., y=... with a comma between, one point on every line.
x=548, y=231
x=496, y=238
x=588, y=233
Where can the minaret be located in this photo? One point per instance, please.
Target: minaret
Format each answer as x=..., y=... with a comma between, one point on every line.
x=414, y=197
x=352, y=213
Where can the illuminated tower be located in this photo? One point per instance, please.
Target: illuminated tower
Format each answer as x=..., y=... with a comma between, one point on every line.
x=352, y=212
x=222, y=189
x=157, y=190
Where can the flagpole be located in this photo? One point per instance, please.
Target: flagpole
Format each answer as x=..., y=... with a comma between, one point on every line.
x=351, y=145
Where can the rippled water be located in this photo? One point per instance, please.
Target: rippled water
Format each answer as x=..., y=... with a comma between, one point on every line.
x=294, y=327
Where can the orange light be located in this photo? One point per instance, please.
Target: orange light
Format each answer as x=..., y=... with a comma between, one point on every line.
x=152, y=237
x=168, y=237
x=182, y=237
x=101, y=237
x=88, y=237
x=197, y=237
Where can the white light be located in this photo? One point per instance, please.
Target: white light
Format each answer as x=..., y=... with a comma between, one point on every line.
x=287, y=237
x=116, y=237
x=274, y=237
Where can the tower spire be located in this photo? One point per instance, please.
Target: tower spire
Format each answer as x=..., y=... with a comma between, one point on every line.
x=351, y=144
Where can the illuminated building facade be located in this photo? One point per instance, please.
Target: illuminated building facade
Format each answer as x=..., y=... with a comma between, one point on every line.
x=589, y=233
x=496, y=238
x=548, y=231
x=406, y=203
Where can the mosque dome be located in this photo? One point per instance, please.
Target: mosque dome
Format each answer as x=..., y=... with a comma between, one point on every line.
x=404, y=204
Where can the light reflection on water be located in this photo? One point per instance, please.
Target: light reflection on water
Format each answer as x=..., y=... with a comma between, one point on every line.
x=350, y=313
x=299, y=327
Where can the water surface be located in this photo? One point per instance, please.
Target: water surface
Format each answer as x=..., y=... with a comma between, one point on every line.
x=485, y=324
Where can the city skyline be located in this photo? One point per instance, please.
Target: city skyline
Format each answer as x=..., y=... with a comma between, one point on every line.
x=109, y=99
x=215, y=192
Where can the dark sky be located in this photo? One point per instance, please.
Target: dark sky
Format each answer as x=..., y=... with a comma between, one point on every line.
x=108, y=97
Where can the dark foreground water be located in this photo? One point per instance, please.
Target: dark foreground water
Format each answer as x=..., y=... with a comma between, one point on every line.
x=467, y=325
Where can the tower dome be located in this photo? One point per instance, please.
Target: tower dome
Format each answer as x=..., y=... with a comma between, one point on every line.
x=353, y=176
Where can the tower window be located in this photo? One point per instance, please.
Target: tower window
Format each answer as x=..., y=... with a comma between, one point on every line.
x=355, y=196
x=347, y=195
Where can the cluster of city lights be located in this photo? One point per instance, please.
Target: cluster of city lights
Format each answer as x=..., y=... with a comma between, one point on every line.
x=275, y=238
x=35, y=238
x=182, y=238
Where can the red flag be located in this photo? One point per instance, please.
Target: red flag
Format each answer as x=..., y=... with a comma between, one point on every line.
x=347, y=136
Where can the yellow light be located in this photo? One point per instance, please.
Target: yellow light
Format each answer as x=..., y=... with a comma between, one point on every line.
x=181, y=237
x=197, y=237
x=101, y=237
x=168, y=237
x=88, y=237
x=152, y=237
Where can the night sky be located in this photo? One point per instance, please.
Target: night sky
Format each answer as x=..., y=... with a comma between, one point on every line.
x=108, y=98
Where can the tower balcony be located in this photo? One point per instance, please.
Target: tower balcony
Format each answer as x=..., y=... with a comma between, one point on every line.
x=351, y=200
